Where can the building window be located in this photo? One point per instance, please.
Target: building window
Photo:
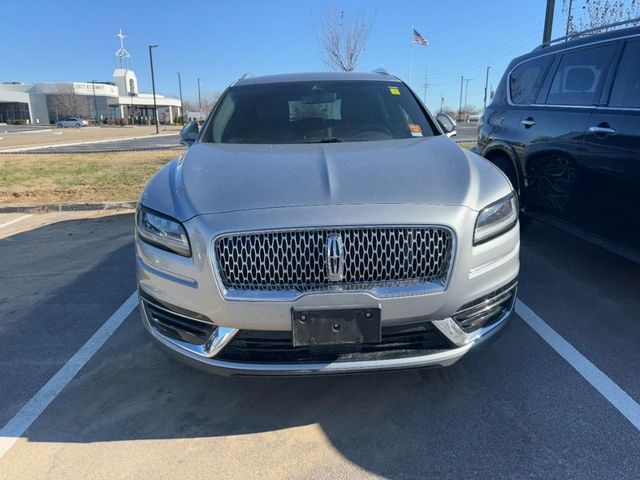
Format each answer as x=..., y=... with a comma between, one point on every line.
x=13, y=111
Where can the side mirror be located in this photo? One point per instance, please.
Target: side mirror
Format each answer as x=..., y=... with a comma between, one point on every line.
x=447, y=124
x=189, y=133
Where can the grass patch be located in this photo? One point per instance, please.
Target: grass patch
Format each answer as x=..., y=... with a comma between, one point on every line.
x=85, y=177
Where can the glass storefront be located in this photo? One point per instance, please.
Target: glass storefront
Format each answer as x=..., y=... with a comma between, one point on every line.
x=14, y=111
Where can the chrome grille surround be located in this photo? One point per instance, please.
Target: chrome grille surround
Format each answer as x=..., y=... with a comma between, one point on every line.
x=285, y=264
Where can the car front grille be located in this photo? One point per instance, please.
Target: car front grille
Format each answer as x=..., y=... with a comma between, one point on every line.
x=372, y=257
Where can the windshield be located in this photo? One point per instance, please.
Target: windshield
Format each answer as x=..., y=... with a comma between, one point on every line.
x=317, y=112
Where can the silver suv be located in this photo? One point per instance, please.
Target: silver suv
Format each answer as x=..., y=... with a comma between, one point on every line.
x=324, y=223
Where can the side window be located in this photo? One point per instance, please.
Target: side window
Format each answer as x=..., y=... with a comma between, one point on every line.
x=626, y=87
x=526, y=79
x=580, y=76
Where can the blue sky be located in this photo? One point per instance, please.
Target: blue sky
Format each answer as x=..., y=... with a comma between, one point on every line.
x=218, y=41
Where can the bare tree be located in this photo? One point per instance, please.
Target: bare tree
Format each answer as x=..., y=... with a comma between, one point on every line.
x=449, y=111
x=209, y=101
x=598, y=13
x=342, y=39
x=65, y=103
x=469, y=111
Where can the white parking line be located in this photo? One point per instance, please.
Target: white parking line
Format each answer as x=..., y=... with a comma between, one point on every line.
x=29, y=413
x=15, y=220
x=615, y=395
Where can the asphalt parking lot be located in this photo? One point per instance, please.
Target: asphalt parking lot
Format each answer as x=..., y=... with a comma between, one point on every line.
x=516, y=409
x=466, y=133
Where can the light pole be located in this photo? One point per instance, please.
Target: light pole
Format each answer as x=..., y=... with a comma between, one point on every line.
x=486, y=84
x=95, y=104
x=153, y=86
x=180, y=88
x=548, y=22
x=199, y=100
x=460, y=108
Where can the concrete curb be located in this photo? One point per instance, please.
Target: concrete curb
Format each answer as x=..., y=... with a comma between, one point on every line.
x=68, y=207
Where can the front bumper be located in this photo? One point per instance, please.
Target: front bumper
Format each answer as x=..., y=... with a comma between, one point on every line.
x=204, y=355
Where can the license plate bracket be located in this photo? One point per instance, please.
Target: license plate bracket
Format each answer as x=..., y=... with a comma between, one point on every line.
x=336, y=326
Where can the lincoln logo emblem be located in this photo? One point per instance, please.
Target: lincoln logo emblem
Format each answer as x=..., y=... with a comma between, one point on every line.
x=334, y=257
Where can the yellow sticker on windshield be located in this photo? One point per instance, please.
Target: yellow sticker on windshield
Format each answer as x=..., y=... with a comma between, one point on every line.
x=394, y=90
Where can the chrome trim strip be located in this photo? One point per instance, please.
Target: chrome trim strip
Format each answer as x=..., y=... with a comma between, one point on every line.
x=450, y=329
x=210, y=348
x=172, y=312
x=557, y=105
x=489, y=302
x=292, y=295
x=624, y=109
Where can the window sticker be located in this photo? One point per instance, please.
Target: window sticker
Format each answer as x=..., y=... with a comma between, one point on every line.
x=394, y=90
x=415, y=129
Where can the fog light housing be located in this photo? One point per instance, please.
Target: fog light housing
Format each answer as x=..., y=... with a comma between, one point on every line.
x=487, y=309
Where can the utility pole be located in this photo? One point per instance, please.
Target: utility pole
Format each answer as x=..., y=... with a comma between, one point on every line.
x=153, y=86
x=548, y=21
x=569, y=18
x=441, y=101
x=466, y=92
x=486, y=84
x=460, y=107
x=425, y=85
x=199, y=100
x=180, y=88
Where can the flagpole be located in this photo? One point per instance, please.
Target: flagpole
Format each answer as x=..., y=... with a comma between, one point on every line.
x=411, y=57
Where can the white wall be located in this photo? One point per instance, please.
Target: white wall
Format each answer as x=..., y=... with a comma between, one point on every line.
x=38, y=109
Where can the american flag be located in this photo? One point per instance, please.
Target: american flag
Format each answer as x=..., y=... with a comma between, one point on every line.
x=419, y=39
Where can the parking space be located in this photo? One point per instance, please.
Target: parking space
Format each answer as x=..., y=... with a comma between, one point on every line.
x=515, y=409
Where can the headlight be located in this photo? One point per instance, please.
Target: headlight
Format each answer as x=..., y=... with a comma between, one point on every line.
x=496, y=219
x=162, y=231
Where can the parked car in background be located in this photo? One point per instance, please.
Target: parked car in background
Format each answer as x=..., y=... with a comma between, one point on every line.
x=322, y=223
x=564, y=126
x=72, y=122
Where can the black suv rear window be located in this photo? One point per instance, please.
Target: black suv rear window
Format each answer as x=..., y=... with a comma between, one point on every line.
x=580, y=75
x=526, y=79
x=317, y=112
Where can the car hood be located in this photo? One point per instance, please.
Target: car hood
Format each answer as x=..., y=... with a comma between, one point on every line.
x=221, y=178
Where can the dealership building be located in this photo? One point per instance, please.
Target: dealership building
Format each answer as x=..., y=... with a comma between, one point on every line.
x=120, y=98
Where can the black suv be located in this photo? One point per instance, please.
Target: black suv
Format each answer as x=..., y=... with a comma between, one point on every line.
x=564, y=126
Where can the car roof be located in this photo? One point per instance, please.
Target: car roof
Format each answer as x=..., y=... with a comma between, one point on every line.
x=318, y=76
x=579, y=41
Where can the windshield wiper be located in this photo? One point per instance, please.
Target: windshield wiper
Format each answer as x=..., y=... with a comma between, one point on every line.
x=325, y=140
